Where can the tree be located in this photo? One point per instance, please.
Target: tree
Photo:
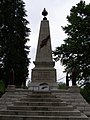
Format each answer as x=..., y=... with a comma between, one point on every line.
x=2, y=88
x=75, y=50
x=85, y=91
x=14, y=35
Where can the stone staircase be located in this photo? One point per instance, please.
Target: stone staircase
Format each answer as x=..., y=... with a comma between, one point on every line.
x=39, y=106
x=73, y=97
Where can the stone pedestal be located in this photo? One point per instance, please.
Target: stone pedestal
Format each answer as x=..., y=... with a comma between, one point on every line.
x=44, y=76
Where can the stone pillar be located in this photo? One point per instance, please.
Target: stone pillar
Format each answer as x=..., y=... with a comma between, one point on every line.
x=73, y=76
x=11, y=86
x=11, y=77
x=67, y=80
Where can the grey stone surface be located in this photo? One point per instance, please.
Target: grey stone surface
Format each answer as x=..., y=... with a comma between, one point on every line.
x=41, y=105
x=73, y=97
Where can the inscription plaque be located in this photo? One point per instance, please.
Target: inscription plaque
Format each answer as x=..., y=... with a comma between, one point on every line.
x=44, y=75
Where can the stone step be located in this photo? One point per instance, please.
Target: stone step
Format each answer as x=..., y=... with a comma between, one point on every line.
x=23, y=117
x=32, y=96
x=74, y=99
x=41, y=96
x=27, y=103
x=42, y=92
x=42, y=99
x=41, y=108
x=41, y=113
x=16, y=96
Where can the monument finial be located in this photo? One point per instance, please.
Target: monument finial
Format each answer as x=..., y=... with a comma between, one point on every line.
x=44, y=13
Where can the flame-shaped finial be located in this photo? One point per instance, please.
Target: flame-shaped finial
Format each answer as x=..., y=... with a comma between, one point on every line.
x=44, y=13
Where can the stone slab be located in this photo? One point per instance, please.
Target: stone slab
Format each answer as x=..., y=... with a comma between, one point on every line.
x=22, y=117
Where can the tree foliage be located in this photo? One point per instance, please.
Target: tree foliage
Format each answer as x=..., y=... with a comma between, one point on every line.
x=76, y=48
x=13, y=38
x=61, y=85
x=85, y=91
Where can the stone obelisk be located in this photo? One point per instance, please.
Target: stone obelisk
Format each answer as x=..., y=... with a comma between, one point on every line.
x=44, y=72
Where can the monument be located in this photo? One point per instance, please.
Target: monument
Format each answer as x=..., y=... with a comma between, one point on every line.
x=43, y=74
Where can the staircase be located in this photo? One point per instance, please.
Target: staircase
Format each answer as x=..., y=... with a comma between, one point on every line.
x=40, y=106
x=73, y=97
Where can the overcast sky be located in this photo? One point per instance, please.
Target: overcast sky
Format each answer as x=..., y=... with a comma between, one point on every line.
x=57, y=12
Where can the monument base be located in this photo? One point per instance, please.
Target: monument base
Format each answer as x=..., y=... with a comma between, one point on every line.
x=43, y=79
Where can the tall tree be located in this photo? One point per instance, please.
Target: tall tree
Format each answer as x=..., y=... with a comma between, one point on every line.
x=76, y=48
x=14, y=35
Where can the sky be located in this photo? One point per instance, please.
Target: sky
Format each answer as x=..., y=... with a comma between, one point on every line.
x=57, y=13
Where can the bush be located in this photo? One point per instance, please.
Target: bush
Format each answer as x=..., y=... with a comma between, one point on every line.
x=61, y=85
x=2, y=88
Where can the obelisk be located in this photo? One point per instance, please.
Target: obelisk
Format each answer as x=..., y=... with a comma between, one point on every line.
x=44, y=72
